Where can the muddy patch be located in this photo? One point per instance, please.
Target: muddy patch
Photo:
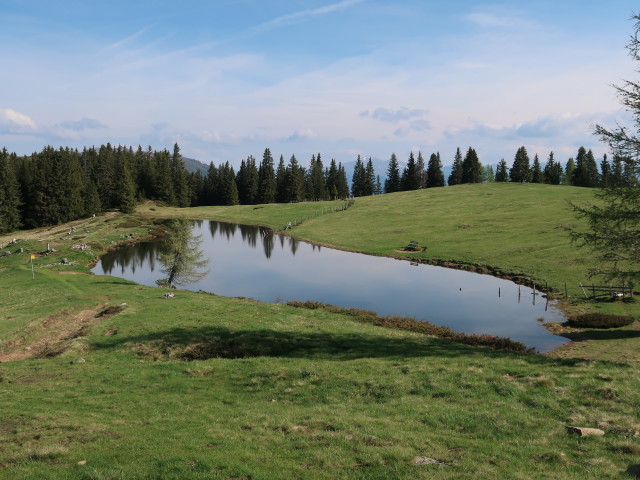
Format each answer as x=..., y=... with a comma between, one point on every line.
x=54, y=335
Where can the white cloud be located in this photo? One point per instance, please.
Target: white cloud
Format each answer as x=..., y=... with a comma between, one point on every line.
x=395, y=116
x=304, y=14
x=299, y=135
x=80, y=125
x=16, y=122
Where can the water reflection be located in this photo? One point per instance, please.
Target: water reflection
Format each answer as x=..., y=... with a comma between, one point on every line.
x=254, y=262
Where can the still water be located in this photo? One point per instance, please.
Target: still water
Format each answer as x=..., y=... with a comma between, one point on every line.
x=247, y=261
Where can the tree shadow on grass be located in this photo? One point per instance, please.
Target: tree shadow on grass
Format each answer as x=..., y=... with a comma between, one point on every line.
x=219, y=342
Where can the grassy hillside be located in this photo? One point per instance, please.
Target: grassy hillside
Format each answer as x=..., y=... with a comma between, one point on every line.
x=104, y=379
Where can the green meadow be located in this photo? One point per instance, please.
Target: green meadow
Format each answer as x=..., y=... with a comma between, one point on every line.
x=101, y=378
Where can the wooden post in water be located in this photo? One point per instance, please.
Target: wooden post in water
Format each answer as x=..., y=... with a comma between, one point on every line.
x=534, y=293
x=566, y=292
x=498, y=292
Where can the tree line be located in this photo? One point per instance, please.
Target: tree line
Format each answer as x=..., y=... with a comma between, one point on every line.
x=60, y=185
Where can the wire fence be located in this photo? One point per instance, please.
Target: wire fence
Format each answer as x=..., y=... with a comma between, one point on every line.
x=338, y=208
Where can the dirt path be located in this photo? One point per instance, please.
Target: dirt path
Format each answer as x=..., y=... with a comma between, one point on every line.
x=52, y=336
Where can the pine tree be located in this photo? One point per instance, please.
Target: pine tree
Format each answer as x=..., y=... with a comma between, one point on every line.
x=316, y=181
x=196, y=187
x=489, y=175
x=332, y=180
x=10, y=199
x=179, y=177
x=502, y=174
x=358, y=179
x=266, y=179
x=125, y=193
x=163, y=188
x=247, y=181
x=227, y=185
x=520, y=170
x=281, y=181
x=606, y=173
x=392, y=183
x=471, y=168
x=211, y=182
x=586, y=170
x=295, y=181
x=552, y=171
x=377, y=188
x=410, y=179
x=536, y=171
x=617, y=174
x=421, y=171
x=370, y=178
x=567, y=178
x=92, y=204
x=455, y=177
x=343, y=184
x=435, y=176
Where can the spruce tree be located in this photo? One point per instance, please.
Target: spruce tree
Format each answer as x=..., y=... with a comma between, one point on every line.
x=247, y=181
x=10, y=198
x=227, y=185
x=392, y=183
x=502, y=173
x=125, y=193
x=358, y=179
x=471, y=168
x=163, y=188
x=211, y=193
x=281, y=181
x=455, y=177
x=435, y=176
x=295, y=181
x=606, y=173
x=552, y=171
x=343, y=184
x=520, y=170
x=370, y=178
x=586, y=170
x=536, y=171
x=410, y=179
x=332, y=180
x=567, y=177
x=266, y=179
x=316, y=181
x=489, y=175
x=421, y=171
x=179, y=177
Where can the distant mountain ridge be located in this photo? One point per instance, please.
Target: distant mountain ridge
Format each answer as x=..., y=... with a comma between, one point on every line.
x=192, y=165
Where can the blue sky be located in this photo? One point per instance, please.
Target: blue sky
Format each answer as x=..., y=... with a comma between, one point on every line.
x=227, y=78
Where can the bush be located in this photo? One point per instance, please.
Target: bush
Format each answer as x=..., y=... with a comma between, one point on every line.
x=600, y=320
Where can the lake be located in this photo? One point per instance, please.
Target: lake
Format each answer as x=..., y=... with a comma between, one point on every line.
x=248, y=261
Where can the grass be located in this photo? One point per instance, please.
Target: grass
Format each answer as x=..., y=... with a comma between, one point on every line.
x=201, y=386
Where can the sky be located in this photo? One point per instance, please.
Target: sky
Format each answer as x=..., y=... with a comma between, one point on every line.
x=226, y=79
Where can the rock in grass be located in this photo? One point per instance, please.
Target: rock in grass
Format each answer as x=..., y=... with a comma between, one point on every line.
x=428, y=461
x=82, y=462
x=585, y=431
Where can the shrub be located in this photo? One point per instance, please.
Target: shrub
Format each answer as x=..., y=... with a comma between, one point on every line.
x=600, y=320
